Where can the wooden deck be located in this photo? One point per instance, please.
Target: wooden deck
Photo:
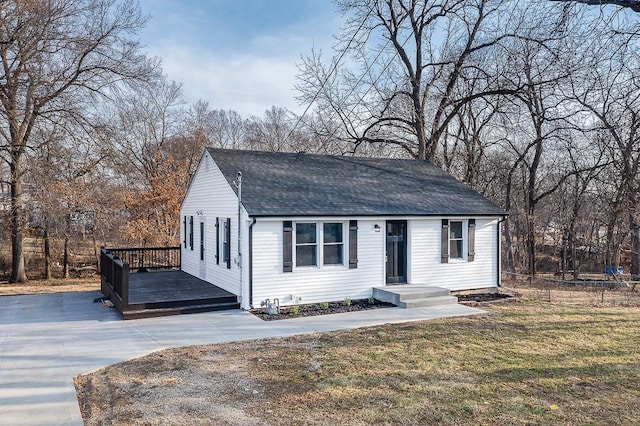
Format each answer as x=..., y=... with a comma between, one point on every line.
x=173, y=292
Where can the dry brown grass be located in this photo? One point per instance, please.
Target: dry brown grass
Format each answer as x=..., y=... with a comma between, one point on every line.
x=529, y=362
x=587, y=294
x=50, y=286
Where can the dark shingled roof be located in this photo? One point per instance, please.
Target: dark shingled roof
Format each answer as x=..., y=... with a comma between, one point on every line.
x=286, y=184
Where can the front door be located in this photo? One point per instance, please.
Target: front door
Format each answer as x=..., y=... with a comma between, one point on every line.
x=203, y=264
x=396, y=251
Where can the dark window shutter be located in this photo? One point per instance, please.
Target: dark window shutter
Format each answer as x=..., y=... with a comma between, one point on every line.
x=472, y=240
x=229, y=243
x=287, y=246
x=217, y=240
x=445, y=241
x=353, y=244
x=201, y=240
x=191, y=232
x=184, y=228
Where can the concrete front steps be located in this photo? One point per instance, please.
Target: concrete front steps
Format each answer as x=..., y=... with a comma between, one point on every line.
x=414, y=296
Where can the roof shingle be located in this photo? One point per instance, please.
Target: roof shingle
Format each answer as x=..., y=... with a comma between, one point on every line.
x=287, y=184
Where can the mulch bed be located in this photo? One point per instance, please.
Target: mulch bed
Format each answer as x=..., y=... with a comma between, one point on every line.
x=483, y=298
x=313, y=309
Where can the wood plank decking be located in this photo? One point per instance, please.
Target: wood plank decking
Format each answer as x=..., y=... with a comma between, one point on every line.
x=173, y=292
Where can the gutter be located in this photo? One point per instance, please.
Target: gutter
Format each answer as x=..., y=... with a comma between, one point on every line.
x=253, y=222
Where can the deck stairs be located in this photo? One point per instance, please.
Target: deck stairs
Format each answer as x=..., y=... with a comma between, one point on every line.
x=176, y=307
x=414, y=296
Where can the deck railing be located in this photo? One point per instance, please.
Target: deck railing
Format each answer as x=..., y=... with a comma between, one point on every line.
x=114, y=274
x=115, y=265
x=149, y=258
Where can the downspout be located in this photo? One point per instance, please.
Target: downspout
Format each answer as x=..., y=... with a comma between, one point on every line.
x=238, y=184
x=251, y=262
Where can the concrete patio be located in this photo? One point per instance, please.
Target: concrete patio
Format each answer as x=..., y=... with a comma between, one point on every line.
x=46, y=340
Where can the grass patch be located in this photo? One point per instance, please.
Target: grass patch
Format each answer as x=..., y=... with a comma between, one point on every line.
x=524, y=363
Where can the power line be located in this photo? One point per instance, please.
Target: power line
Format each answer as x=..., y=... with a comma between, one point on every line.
x=372, y=85
x=335, y=67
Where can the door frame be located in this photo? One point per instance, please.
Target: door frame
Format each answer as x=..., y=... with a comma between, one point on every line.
x=397, y=279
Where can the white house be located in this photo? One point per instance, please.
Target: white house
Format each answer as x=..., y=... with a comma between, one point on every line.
x=312, y=228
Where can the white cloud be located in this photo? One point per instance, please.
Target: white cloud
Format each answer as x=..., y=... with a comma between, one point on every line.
x=237, y=58
x=245, y=82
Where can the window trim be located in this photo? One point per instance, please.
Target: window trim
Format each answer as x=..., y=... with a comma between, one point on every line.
x=461, y=256
x=341, y=243
x=296, y=245
x=320, y=245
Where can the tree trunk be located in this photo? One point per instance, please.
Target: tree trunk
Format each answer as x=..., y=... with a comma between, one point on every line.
x=563, y=262
x=634, y=227
x=96, y=253
x=47, y=251
x=511, y=263
x=65, y=259
x=531, y=244
x=609, y=256
x=18, y=273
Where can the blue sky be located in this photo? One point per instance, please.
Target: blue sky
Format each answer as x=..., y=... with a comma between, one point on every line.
x=238, y=54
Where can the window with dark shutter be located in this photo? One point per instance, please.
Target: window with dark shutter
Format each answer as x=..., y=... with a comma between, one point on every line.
x=184, y=231
x=217, y=240
x=191, y=232
x=201, y=239
x=472, y=240
x=287, y=246
x=445, y=242
x=353, y=244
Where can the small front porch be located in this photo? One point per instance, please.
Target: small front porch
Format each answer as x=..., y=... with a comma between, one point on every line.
x=148, y=283
x=414, y=296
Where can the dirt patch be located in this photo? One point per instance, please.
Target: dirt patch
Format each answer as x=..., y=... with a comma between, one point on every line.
x=314, y=309
x=50, y=286
x=193, y=385
x=484, y=298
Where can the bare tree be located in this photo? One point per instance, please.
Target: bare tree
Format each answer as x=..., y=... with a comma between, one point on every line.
x=144, y=119
x=411, y=55
x=57, y=57
x=275, y=132
x=218, y=128
x=631, y=4
x=612, y=95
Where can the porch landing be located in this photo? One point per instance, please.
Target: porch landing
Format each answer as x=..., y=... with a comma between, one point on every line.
x=414, y=296
x=173, y=292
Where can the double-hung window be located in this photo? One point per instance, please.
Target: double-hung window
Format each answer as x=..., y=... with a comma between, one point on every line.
x=333, y=244
x=306, y=244
x=456, y=240
x=319, y=244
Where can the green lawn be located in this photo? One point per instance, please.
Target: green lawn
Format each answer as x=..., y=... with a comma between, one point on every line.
x=523, y=363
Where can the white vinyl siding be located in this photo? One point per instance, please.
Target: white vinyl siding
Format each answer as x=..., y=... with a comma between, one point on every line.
x=424, y=263
x=211, y=196
x=320, y=284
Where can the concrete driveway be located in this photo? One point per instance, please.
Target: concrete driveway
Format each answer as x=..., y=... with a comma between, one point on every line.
x=46, y=340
